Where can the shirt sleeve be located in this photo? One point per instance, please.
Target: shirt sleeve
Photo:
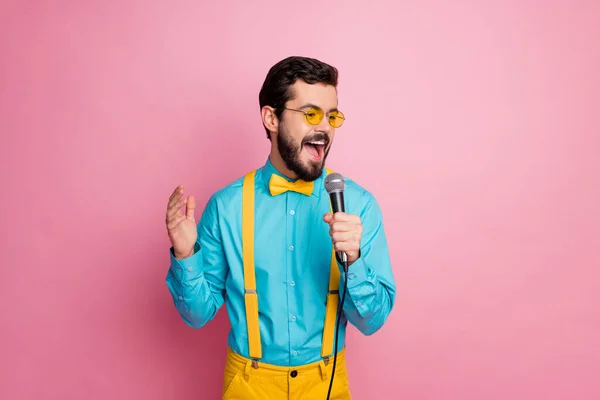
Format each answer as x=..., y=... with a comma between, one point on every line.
x=371, y=289
x=197, y=283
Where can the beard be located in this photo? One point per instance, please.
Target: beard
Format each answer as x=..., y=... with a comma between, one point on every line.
x=290, y=153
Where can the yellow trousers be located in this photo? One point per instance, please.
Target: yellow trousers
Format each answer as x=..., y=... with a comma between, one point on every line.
x=270, y=382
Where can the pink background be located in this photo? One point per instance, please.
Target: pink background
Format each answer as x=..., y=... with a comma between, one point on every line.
x=475, y=125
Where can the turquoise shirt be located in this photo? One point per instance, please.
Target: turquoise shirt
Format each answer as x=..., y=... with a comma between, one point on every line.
x=292, y=261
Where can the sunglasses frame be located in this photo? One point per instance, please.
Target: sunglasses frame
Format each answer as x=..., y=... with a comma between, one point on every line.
x=343, y=117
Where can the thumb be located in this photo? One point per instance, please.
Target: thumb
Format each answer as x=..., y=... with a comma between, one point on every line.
x=327, y=217
x=191, y=206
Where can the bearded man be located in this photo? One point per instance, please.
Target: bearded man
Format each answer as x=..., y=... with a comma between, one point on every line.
x=268, y=246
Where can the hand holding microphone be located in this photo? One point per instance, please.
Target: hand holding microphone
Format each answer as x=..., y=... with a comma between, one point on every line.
x=345, y=229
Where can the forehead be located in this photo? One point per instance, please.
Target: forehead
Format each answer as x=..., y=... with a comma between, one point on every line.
x=319, y=94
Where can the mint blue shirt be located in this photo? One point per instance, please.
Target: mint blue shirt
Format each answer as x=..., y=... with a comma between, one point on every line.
x=292, y=262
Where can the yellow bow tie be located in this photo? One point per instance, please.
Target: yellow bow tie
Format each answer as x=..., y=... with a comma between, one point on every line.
x=279, y=185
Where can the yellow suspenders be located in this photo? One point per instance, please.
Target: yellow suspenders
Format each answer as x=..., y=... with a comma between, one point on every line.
x=250, y=294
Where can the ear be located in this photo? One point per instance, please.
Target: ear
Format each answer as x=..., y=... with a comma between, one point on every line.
x=269, y=119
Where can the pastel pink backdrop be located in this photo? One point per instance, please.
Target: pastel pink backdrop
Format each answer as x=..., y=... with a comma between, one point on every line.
x=475, y=125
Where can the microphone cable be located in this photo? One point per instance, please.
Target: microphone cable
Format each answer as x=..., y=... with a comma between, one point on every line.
x=337, y=325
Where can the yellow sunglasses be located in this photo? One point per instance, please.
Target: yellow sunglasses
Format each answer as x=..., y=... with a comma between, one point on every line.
x=314, y=116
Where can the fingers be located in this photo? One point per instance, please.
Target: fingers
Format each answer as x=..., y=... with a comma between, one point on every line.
x=341, y=227
x=343, y=217
x=175, y=215
x=343, y=223
x=176, y=202
x=344, y=236
x=347, y=247
x=354, y=227
x=178, y=191
x=346, y=232
x=175, y=199
x=173, y=222
x=175, y=208
x=340, y=217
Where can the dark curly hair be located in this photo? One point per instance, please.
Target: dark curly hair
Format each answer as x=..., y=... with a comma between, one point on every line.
x=275, y=91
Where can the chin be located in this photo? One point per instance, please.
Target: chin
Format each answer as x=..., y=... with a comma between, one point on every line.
x=315, y=168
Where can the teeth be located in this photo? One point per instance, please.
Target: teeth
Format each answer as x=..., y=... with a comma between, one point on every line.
x=317, y=143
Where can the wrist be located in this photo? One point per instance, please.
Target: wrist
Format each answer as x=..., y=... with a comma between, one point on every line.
x=181, y=256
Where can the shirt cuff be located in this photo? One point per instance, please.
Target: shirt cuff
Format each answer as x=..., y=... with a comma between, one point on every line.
x=357, y=273
x=188, y=268
x=352, y=269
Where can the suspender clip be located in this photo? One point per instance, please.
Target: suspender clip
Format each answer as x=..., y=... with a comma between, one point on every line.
x=254, y=363
x=326, y=360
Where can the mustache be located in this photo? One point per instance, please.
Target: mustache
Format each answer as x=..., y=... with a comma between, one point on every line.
x=316, y=137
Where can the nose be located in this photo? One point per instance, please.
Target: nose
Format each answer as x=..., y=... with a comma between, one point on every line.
x=324, y=126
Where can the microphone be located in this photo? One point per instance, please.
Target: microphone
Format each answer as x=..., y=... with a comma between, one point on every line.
x=335, y=185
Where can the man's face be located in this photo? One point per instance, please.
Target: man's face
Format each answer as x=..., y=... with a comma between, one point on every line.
x=304, y=147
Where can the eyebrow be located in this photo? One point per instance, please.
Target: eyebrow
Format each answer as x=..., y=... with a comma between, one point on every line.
x=309, y=105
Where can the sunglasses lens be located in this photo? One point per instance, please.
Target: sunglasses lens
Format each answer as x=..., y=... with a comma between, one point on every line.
x=336, y=119
x=314, y=116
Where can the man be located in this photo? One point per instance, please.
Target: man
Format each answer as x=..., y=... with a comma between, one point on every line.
x=266, y=246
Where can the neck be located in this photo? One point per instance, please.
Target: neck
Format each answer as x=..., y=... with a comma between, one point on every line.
x=279, y=164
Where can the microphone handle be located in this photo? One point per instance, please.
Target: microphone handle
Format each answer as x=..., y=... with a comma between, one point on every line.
x=337, y=205
x=337, y=201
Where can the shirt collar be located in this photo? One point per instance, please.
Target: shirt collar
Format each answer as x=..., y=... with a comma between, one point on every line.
x=269, y=169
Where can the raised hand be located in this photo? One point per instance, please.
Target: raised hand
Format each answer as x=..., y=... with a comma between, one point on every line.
x=181, y=226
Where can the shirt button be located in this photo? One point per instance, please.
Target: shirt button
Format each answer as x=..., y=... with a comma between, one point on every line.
x=350, y=276
x=292, y=212
x=291, y=247
x=295, y=353
x=292, y=283
x=180, y=298
x=293, y=318
x=359, y=303
x=190, y=269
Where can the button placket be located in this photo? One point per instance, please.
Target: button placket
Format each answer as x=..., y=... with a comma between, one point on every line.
x=290, y=221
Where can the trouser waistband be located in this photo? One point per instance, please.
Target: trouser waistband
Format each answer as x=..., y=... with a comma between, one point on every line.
x=260, y=368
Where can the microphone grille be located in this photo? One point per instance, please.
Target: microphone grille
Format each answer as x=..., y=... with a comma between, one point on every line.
x=334, y=182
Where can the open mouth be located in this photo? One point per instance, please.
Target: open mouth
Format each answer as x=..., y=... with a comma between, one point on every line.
x=315, y=149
